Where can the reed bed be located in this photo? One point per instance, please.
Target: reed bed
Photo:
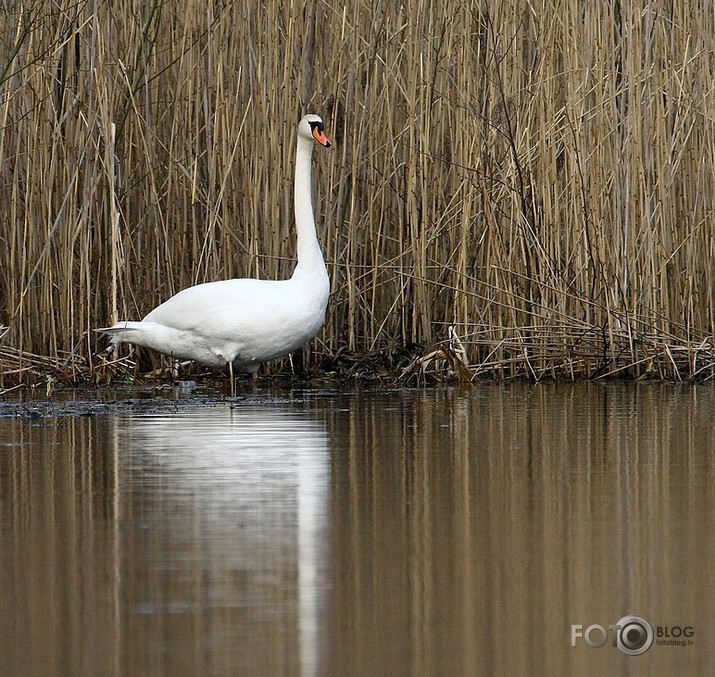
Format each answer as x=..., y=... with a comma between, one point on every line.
x=534, y=180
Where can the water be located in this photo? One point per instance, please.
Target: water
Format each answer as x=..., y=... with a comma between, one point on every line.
x=438, y=532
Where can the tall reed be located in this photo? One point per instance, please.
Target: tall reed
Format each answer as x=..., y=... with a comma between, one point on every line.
x=537, y=176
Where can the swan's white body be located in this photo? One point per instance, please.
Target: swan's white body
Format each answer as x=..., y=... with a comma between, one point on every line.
x=245, y=322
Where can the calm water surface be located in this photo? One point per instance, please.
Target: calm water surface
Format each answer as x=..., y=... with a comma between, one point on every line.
x=439, y=532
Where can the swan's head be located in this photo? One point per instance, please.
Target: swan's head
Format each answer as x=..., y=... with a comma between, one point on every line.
x=311, y=128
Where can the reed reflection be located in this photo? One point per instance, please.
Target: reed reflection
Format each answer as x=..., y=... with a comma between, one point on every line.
x=472, y=531
x=58, y=548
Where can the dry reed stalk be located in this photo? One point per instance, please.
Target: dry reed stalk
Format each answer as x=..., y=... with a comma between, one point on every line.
x=537, y=176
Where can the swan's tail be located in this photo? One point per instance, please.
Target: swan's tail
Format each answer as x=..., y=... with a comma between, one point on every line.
x=122, y=332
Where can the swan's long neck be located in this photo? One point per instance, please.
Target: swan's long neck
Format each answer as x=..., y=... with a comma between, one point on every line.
x=310, y=258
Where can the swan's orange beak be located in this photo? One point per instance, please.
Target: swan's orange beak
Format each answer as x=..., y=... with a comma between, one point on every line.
x=319, y=136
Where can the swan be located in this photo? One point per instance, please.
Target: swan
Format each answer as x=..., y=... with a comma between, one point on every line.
x=245, y=322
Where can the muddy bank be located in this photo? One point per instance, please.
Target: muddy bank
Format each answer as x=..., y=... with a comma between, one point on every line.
x=89, y=401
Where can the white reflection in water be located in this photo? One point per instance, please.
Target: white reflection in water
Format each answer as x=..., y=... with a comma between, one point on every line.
x=255, y=476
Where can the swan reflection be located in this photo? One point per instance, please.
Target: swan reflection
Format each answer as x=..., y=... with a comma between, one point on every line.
x=242, y=496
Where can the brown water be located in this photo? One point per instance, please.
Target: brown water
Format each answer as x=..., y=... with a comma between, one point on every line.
x=408, y=533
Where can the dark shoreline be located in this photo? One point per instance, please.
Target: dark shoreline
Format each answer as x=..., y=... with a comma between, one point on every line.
x=34, y=404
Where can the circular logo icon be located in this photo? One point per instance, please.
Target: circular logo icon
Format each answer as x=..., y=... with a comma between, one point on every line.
x=635, y=635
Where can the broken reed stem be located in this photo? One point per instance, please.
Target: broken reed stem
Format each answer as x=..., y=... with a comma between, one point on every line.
x=525, y=180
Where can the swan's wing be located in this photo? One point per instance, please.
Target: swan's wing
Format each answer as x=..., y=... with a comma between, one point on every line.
x=197, y=308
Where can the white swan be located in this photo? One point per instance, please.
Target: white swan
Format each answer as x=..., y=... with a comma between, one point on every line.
x=245, y=322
